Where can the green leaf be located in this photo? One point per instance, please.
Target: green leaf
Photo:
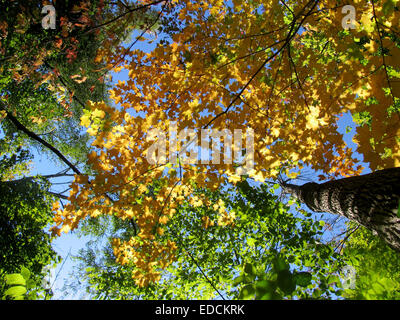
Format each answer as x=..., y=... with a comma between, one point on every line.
x=15, y=291
x=316, y=293
x=238, y=280
x=265, y=289
x=247, y=292
x=250, y=269
x=303, y=279
x=333, y=279
x=30, y=283
x=286, y=282
x=25, y=273
x=280, y=264
x=251, y=242
x=266, y=296
x=398, y=210
x=15, y=279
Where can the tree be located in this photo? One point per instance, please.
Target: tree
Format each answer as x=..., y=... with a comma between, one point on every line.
x=286, y=69
x=33, y=88
x=25, y=213
x=372, y=200
x=47, y=76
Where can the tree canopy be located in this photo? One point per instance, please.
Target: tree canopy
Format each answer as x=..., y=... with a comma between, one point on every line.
x=229, y=92
x=287, y=70
x=25, y=215
x=260, y=249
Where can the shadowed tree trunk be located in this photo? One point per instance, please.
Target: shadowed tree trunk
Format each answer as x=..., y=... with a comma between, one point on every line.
x=372, y=200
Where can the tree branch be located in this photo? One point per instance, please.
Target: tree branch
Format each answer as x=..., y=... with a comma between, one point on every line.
x=124, y=14
x=35, y=137
x=58, y=195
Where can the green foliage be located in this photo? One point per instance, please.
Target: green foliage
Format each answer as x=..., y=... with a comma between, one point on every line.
x=14, y=161
x=25, y=213
x=297, y=264
x=39, y=110
x=22, y=286
x=267, y=254
x=37, y=81
x=47, y=76
x=377, y=267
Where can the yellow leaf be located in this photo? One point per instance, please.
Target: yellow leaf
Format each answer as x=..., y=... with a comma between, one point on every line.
x=98, y=114
x=85, y=120
x=312, y=118
x=234, y=178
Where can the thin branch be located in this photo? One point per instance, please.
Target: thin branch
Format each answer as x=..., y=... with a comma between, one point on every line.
x=49, y=176
x=60, y=183
x=342, y=242
x=248, y=35
x=274, y=82
x=250, y=54
x=124, y=14
x=197, y=265
x=297, y=77
x=58, y=195
x=58, y=273
x=292, y=32
x=35, y=137
x=287, y=7
x=137, y=39
x=383, y=55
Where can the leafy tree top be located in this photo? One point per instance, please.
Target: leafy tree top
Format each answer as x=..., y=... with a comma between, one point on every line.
x=286, y=69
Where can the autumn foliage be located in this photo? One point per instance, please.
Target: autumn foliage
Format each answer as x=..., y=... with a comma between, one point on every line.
x=286, y=69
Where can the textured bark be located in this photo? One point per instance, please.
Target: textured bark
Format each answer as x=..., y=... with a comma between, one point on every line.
x=372, y=200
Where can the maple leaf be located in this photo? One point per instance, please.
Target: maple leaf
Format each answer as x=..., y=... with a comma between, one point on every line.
x=85, y=120
x=312, y=118
x=234, y=178
x=97, y=113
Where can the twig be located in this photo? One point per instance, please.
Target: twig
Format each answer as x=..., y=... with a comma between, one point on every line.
x=197, y=265
x=61, y=267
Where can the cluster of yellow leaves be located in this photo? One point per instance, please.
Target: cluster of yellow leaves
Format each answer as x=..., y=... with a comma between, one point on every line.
x=149, y=258
x=3, y=114
x=292, y=106
x=360, y=80
x=227, y=218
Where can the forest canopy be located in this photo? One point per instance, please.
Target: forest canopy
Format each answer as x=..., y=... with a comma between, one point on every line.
x=203, y=140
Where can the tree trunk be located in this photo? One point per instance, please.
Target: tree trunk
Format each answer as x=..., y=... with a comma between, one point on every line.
x=372, y=200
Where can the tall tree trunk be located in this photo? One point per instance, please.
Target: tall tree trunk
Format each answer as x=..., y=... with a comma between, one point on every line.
x=372, y=200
